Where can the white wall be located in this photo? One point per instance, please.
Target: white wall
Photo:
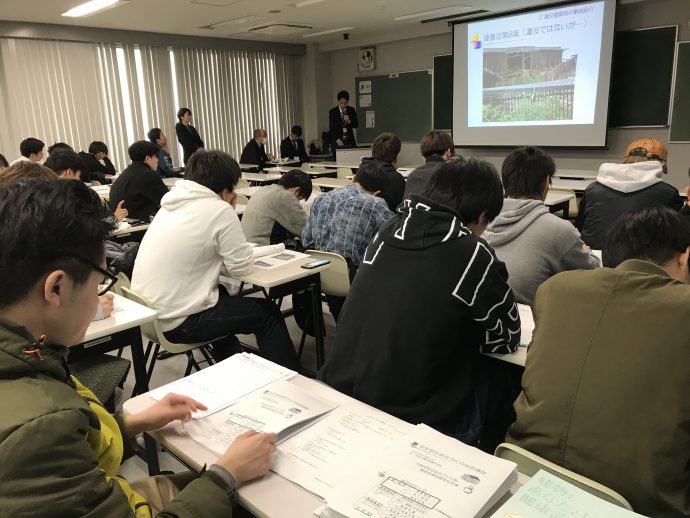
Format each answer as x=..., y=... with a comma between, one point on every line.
x=415, y=54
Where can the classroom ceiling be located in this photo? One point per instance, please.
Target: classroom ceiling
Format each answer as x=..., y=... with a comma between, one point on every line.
x=367, y=18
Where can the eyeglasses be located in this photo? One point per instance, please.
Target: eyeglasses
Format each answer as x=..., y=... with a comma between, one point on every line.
x=109, y=278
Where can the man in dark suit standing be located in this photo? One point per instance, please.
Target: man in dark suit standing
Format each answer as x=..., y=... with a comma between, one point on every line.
x=342, y=119
x=255, y=152
x=293, y=146
x=187, y=135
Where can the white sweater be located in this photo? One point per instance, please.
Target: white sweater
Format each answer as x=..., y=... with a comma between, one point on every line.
x=180, y=258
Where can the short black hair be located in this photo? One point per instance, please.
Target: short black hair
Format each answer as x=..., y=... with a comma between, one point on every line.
x=3, y=161
x=64, y=159
x=182, y=111
x=47, y=225
x=655, y=234
x=59, y=146
x=524, y=171
x=154, y=134
x=141, y=149
x=213, y=169
x=297, y=178
x=343, y=94
x=31, y=146
x=98, y=147
x=371, y=176
x=297, y=130
x=386, y=146
x=469, y=187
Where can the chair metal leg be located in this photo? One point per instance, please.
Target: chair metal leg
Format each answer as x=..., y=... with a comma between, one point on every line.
x=152, y=363
x=206, y=355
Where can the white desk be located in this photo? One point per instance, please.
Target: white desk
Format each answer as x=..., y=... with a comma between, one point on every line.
x=576, y=173
x=170, y=182
x=557, y=201
x=261, y=178
x=270, y=278
x=103, y=191
x=575, y=184
x=284, y=162
x=271, y=495
x=239, y=209
x=122, y=233
x=331, y=183
x=127, y=315
x=519, y=357
x=248, y=191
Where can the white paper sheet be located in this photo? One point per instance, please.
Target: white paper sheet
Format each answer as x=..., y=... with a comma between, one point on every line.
x=319, y=456
x=424, y=474
x=280, y=407
x=282, y=258
x=224, y=383
x=526, y=324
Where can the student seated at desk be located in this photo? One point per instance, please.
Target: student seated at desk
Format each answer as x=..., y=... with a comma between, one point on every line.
x=345, y=220
x=606, y=384
x=31, y=150
x=138, y=186
x=293, y=146
x=165, y=167
x=385, y=153
x=97, y=164
x=436, y=147
x=625, y=188
x=428, y=297
x=58, y=443
x=274, y=213
x=194, y=237
x=254, y=151
x=533, y=243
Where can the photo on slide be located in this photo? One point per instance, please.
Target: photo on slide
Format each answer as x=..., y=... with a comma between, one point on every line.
x=528, y=83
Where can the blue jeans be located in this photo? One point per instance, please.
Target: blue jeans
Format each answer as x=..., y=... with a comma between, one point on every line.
x=243, y=315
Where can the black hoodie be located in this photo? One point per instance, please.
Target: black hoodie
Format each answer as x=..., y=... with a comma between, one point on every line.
x=428, y=297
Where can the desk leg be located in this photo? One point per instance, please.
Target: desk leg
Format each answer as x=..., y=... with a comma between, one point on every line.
x=317, y=311
x=141, y=385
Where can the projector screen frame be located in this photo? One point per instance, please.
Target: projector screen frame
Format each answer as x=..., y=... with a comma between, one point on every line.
x=513, y=12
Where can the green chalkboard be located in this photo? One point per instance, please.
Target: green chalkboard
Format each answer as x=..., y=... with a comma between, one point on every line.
x=680, y=117
x=443, y=92
x=400, y=103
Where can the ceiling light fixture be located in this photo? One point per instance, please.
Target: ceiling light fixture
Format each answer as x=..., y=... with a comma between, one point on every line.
x=330, y=31
x=236, y=21
x=456, y=9
x=304, y=3
x=92, y=7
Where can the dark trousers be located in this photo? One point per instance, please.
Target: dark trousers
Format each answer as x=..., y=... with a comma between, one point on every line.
x=243, y=315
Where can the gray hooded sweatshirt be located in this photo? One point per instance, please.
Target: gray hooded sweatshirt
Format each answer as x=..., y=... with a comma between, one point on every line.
x=535, y=245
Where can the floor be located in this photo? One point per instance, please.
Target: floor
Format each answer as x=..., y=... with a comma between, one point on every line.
x=171, y=369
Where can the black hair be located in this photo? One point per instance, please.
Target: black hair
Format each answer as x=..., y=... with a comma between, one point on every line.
x=469, y=187
x=343, y=94
x=58, y=146
x=3, y=161
x=386, y=146
x=371, y=177
x=64, y=159
x=154, y=134
x=524, y=171
x=181, y=112
x=655, y=234
x=297, y=178
x=30, y=146
x=297, y=130
x=141, y=149
x=213, y=169
x=46, y=225
x=98, y=147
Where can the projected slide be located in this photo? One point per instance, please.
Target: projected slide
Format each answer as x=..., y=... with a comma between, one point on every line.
x=537, y=68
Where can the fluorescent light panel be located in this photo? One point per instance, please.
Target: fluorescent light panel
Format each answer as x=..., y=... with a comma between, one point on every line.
x=456, y=9
x=330, y=31
x=92, y=7
x=304, y=3
x=236, y=21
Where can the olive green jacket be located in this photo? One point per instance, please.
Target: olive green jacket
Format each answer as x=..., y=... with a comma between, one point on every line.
x=60, y=450
x=606, y=387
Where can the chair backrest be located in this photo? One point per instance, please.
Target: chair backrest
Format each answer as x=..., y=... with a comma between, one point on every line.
x=95, y=183
x=528, y=463
x=122, y=282
x=315, y=188
x=152, y=330
x=344, y=172
x=335, y=280
x=241, y=200
x=241, y=184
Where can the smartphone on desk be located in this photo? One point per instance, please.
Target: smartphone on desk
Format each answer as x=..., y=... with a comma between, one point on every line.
x=315, y=264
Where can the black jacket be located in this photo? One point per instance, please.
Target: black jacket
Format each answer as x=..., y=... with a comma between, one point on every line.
x=189, y=139
x=393, y=193
x=141, y=189
x=287, y=149
x=253, y=153
x=340, y=129
x=165, y=167
x=94, y=170
x=427, y=298
x=418, y=179
x=600, y=206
